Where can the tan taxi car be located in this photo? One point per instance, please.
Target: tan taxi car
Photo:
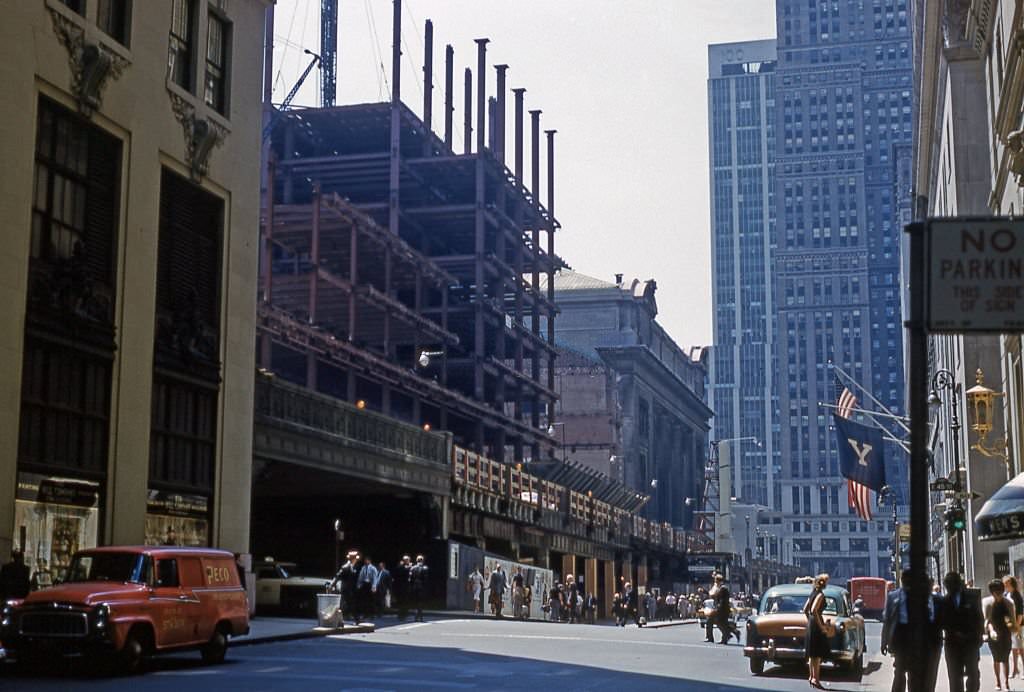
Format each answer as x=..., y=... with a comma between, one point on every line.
x=776, y=633
x=132, y=602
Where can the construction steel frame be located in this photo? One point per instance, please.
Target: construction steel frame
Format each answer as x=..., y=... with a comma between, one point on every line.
x=380, y=244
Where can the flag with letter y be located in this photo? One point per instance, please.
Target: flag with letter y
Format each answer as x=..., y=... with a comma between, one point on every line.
x=861, y=453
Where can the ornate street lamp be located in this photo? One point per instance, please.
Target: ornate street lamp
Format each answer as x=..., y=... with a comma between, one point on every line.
x=980, y=399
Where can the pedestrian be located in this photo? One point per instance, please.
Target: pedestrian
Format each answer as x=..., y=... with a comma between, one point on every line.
x=517, y=593
x=497, y=585
x=709, y=623
x=630, y=601
x=1017, y=647
x=571, y=595
x=648, y=604
x=527, y=601
x=591, y=607
x=1000, y=616
x=419, y=575
x=400, y=586
x=617, y=610
x=723, y=608
x=382, y=587
x=554, y=603
x=896, y=635
x=962, y=623
x=670, y=606
x=15, y=580
x=818, y=633
x=345, y=583
x=365, y=590
x=476, y=586
x=858, y=604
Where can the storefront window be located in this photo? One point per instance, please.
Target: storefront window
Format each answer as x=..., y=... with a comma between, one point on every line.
x=177, y=519
x=54, y=518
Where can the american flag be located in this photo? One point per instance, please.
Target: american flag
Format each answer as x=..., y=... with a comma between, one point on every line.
x=858, y=494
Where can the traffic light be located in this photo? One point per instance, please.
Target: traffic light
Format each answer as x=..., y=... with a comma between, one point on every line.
x=956, y=518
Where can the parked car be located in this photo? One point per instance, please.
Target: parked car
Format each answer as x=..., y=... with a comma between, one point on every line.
x=278, y=588
x=776, y=633
x=125, y=603
x=705, y=611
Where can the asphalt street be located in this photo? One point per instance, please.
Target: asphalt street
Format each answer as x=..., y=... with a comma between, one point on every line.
x=468, y=654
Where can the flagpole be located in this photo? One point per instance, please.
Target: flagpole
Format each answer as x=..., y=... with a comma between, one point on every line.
x=885, y=431
x=878, y=403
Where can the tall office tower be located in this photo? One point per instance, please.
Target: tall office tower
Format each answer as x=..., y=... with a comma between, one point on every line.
x=741, y=103
x=843, y=116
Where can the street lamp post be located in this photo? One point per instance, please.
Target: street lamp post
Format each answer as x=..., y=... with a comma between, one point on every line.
x=945, y=380
x=888, y=494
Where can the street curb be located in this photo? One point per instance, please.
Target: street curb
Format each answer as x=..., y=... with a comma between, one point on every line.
x=312, y=633
x=670, y=623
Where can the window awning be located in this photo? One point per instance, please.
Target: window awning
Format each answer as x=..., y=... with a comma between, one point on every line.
x=1002, y=516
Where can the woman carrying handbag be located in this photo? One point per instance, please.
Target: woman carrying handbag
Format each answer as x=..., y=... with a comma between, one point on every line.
x=819, y=632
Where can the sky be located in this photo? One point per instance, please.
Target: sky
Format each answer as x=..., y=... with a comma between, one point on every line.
x=623, y=81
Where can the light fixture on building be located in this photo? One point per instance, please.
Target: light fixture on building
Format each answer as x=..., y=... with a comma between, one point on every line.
x=654, y=482
x=426, y=426
x=980, y=401
x=425, y=356
x=360, y=404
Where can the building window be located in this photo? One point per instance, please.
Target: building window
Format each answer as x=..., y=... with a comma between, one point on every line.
x=186, y=372
x=182, y=43
x=218, y=45
x=114, y=18
x=77, y=6
x=74, y=215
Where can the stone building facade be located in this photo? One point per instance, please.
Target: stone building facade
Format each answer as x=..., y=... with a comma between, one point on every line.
x=130, y=199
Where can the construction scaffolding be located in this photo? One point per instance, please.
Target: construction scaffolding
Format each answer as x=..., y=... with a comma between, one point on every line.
x=401, y=274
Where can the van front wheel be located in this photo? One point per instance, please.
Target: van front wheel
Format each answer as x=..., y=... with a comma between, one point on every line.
x=215, y=649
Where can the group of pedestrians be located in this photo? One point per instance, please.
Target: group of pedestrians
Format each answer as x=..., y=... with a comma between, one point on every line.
x=367, y=590
x=569, y=602
x=959, y=622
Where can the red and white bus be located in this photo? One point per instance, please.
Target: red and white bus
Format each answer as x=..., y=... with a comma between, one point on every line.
x=872, y=590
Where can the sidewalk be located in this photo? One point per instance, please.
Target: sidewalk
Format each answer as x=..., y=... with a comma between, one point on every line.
x=275, y=629
x=263, y=629
x=988, y=678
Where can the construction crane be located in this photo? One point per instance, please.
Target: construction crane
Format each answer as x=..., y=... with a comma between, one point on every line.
x=291, y=94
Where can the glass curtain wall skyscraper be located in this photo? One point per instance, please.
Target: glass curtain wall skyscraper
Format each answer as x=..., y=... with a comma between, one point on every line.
x=844, y=115
x=741, y=105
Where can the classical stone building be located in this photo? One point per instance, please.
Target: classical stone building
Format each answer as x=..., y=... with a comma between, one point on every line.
x=968, y=163
x=130, y=200
x=631, y=401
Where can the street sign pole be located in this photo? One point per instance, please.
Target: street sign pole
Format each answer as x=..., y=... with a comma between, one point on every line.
x=918, y=383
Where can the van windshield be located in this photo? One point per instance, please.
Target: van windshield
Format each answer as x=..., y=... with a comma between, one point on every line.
x=120, y=567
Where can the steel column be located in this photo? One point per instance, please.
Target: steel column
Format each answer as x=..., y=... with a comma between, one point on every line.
x=428, y=85
x=449, y=98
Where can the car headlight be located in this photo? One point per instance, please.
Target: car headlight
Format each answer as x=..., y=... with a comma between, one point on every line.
x=101, y=615
x=6, y=615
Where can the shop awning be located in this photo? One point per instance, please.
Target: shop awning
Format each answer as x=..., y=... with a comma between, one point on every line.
x=1002, y=516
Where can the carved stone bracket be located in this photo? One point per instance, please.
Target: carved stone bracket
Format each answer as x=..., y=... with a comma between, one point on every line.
x=92, y=64
x=202, y=135
x=1015, y=148
x=955, y=16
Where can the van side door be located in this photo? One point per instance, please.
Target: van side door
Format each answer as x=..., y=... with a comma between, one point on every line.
x=175, y=609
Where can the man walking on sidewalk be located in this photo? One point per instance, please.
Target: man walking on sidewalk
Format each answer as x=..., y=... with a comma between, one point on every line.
x=961, y=622
x=418, y=576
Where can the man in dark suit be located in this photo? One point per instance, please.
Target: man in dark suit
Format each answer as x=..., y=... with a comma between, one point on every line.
x=418, y=577
x=896, y=635
x=962, y=622
x=723, y=607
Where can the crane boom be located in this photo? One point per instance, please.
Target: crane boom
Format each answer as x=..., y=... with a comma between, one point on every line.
x=291, y=94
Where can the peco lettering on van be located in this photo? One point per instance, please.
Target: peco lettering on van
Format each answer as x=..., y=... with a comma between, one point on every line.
x=217, y=575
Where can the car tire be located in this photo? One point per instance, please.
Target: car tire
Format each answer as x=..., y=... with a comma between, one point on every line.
x=216, y=649
x=129, y=658
x=756, y=665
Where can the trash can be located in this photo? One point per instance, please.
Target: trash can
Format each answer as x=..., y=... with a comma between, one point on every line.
x=328, y=609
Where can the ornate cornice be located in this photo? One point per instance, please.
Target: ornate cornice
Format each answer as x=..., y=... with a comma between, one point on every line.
x=92, y=63
x=202, y=135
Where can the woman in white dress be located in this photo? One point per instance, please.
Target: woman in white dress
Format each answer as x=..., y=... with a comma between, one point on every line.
x=476, y=583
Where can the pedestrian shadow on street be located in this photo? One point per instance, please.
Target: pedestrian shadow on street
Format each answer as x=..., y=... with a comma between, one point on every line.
x=836, y=677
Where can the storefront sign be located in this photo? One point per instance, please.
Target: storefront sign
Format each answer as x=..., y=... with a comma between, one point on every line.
x=975, y=275
x=177, y=519
x=1000, y=526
